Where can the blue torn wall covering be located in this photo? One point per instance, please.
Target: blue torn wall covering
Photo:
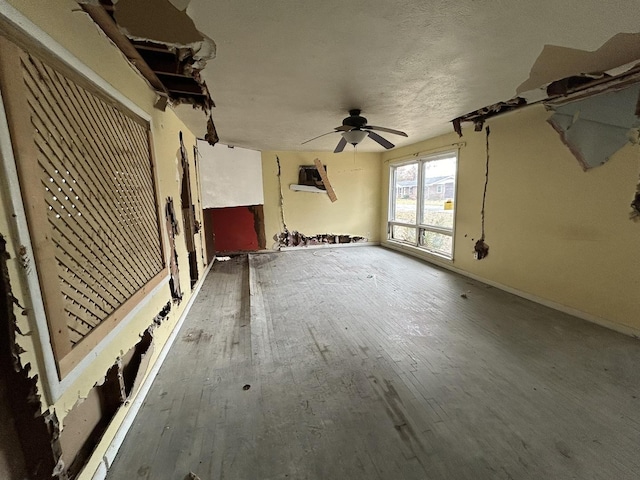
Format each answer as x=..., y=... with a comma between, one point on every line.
x=595, y=128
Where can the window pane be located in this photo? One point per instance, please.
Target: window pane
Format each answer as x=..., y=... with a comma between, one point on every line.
x=438, y=192
x=405, y=234
x=437, y=242
x=406, y=193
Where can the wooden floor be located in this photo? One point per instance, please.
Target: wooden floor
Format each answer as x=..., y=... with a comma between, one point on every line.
x=362, y=363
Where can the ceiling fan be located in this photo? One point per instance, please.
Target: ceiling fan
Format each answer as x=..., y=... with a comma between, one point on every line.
x=354, y=129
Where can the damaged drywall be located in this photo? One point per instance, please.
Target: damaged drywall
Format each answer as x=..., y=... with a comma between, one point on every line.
x=173, y=229
x=85, y=423
x=635, y=204
x=596, y=127
x=89, y=418
x=297, y=239
x=159, y=20
x=564, y=74
x=38, y=431
x=162, y=314
x=136, y=363
x=165, y=47
x=556, y=62
x=168, y=26
x=481, y=249
x=595, y=97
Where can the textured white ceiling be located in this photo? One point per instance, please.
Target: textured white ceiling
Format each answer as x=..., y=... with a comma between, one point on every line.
x=287, y=71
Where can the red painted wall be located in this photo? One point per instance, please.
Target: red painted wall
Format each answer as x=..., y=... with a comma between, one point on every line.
x=234, y=229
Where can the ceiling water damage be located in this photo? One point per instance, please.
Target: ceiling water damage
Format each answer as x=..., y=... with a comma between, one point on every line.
x=162, y=42
x=595, y=97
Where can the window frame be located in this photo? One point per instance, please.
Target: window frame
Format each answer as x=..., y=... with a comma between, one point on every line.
x=419, y=226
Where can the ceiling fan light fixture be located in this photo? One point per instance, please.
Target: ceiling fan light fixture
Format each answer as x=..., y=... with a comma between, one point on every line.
x=354, y=136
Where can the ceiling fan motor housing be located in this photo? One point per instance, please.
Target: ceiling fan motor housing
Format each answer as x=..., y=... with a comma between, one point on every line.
x=354, y=119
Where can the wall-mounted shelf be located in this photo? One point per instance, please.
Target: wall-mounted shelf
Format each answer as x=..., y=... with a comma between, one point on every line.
x=306, y=188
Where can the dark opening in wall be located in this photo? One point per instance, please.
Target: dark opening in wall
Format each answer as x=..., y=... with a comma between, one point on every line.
x=191, y=225
x=34, y=445
x=173, y=230
x=310, y=176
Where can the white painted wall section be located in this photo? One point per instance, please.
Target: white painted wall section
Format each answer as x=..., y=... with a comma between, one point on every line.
x=230, y=177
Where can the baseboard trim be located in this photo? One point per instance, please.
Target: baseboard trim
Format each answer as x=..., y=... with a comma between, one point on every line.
x=123, y=429
x=624, y=329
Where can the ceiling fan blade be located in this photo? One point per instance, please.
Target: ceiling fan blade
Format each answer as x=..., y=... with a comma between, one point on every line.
x=383, y=129
x=341, y=144
x=314, y=138
x=344, y=128
x=382, y=141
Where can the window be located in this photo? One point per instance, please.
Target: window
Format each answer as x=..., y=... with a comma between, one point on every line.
x=426, y=219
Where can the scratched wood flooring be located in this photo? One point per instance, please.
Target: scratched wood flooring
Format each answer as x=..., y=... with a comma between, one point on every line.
x=363, y=363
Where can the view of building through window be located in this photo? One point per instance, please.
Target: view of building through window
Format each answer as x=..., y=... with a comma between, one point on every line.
x=423, y=203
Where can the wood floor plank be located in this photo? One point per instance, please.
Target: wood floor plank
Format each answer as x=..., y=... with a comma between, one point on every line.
x=363, y=363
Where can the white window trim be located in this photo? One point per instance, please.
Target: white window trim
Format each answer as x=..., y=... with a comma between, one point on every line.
x=421, y=160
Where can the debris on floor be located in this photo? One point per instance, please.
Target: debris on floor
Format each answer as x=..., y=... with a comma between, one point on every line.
x=246, y=387
x=222, y=259
x=192, y=476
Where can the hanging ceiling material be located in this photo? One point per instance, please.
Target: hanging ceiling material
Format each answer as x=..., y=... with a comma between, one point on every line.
x=171, y=64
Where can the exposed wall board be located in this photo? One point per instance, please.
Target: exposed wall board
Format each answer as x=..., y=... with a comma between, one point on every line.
x=556, y=233
x=596, y=127
x=82, y=428
x=87, y=421
x=230, y=177
x=325, y=179
x=136, y=363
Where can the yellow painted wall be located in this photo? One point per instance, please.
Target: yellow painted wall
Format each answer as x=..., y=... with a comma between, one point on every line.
x=554, y=231
x=356, y=182
x=75, y=31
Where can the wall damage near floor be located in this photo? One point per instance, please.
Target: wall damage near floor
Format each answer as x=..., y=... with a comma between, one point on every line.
x=49, y=449
x=297, y=239
x=86, y=422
